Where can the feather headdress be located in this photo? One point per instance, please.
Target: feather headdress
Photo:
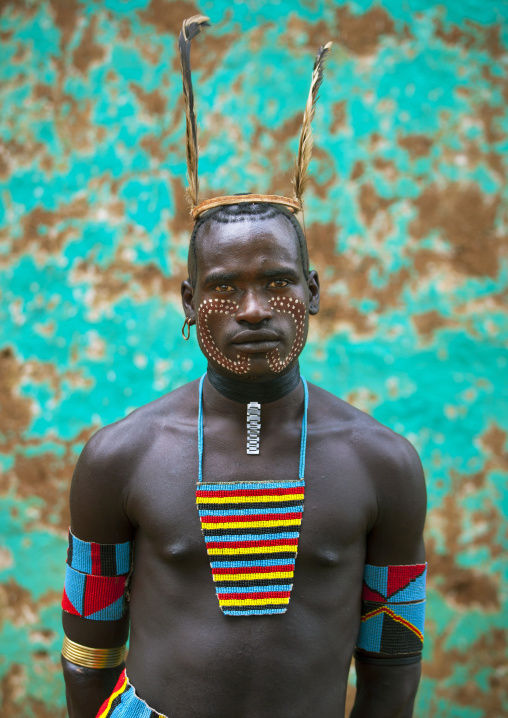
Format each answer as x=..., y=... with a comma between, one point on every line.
x=192, y=27
x=300, y=178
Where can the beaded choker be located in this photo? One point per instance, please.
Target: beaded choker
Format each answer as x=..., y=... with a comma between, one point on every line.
x=251, y=531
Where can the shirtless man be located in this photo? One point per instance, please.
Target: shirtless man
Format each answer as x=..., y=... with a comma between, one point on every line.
x=364, y=504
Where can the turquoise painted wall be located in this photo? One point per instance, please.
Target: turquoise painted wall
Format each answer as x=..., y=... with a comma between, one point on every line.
x=407, y=223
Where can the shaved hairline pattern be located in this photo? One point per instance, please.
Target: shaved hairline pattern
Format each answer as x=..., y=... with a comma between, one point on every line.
x=241, y=213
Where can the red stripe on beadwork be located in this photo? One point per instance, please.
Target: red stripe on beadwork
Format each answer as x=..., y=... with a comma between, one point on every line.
x=254, y=594
x=254, y=569
x=251, y=544
x=251, y=518
x=247, y=492
x=96, y=558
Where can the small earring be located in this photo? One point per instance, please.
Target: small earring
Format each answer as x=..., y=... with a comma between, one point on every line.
x=188, y=325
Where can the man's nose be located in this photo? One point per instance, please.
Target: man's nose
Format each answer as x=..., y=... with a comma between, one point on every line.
x=253, y=308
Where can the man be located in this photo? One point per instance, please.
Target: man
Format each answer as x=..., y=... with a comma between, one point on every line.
x=364, y=505
x=306, y=536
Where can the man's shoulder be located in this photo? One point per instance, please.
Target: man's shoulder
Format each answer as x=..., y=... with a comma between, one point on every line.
x=123, y=440
x=375, y=443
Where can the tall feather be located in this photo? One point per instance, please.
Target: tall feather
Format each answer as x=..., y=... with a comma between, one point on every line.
x=300, y=177
x=191, y=27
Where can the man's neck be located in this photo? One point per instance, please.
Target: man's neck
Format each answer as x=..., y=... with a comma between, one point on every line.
x=263, y=392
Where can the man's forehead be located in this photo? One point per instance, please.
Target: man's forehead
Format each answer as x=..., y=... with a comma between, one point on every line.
x=250, y=239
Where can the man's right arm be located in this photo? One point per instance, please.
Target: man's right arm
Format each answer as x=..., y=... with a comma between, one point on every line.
x=95, y=614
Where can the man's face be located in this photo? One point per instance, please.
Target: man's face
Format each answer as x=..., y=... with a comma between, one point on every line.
x=251, y=299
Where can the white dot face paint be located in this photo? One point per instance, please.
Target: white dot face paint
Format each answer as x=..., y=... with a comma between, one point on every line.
x=289, y=306
x=298, y=311
x=210, y=349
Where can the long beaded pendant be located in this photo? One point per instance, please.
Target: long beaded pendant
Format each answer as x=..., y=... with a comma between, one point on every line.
x=251, y=531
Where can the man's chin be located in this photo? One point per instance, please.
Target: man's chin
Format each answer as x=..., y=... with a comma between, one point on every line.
x=259, y=368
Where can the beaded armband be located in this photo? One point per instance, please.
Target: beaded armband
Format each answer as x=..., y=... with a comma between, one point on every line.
x=95, y=579
x=393, y=611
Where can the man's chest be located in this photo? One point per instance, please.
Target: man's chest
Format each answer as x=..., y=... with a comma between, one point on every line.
x=335, y=506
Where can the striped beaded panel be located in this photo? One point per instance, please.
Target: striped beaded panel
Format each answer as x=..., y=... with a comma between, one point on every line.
x=251, y=531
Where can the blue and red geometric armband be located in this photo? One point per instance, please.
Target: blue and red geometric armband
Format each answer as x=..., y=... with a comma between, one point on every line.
x=95, y=579
x=393, y=610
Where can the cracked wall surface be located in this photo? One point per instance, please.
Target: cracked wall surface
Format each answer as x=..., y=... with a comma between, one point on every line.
x=407, y=222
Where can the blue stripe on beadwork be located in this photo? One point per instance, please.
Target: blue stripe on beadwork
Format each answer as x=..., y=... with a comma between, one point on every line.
x=75, y=588
x=131, y=706
x=253, y=537
x=251, y=589
x=230, y=486
x=113, y=612
x=248, y=564
x=81, y=559
x=253, y=612
x=249, y=512
x=415, y=591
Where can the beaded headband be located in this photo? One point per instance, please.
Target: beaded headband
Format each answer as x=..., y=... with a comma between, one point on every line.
x=192, y=27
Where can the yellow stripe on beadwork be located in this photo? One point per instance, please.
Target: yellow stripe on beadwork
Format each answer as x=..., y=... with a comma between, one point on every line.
x=253, y=549
x=253, y=601
x=111, y=698
x=248, y=499
x=250, y=576
x=252, y=524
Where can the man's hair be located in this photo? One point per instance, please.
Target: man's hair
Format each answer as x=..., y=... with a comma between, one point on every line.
x=243, y=212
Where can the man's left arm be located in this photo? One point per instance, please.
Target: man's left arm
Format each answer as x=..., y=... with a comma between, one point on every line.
x=390, y=640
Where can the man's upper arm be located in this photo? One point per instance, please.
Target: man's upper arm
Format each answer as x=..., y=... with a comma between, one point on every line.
x=393, y=592
x=397, y=535
x=101, y=529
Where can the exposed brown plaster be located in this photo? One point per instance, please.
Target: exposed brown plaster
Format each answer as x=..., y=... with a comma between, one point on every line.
x=358, y=170
x=361, y=34
x=465, y=587
x=371, y=203
x=384, y=165
x=15, y=703
x=495, y=440
x=15, y=410
x=125, y=278
x=181, y=222
x=428, y=323
x=65, y=14
x=338, y=122
x=49, y=242
x=208, y=53
x=153, y=102
x=153, y=146
x=493, y=42
x=416, y=145
x=488, y=652
x=15, y=154
x=489, y=116
x=467, y=219
x=18, y=607
x=18, y=7
x=88, y=51
x=327, y=162
x=47, y=477
x=168, y=17
x=454, y=35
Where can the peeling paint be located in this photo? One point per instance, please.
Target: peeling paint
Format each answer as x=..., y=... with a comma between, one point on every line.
x=407, y=223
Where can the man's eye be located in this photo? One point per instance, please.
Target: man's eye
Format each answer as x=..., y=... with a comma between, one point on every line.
x=278, y=283
x=223, y=288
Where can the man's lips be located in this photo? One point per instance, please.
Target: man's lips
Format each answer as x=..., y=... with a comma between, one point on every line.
x=256, y=341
